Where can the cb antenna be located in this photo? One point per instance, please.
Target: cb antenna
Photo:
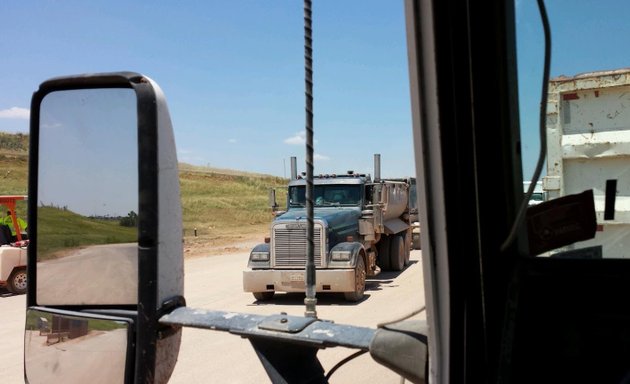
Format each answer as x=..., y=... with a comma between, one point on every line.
x=310, y=300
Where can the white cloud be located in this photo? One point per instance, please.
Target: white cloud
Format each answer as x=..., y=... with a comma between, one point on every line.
x=298, y=139
x=232, y=141
x=317, y=156
x=15, y=113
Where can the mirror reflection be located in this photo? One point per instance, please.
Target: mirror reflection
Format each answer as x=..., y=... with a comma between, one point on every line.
x=87, y=198
x=67, y=349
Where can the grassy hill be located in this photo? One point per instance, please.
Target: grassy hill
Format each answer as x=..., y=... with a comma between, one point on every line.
x=225, y=206
x=62, y=229
x=13, y=163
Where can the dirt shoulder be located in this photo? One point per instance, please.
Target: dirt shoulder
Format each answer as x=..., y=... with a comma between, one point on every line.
x=222, y=244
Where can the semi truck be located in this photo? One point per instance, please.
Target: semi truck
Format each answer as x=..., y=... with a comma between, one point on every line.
x=588, y=144
x=361, y=226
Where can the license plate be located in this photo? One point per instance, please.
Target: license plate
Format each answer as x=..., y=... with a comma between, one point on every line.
x=296, y=277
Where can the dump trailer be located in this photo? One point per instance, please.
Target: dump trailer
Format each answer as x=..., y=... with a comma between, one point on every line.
x=588, y=144
x=361, y=226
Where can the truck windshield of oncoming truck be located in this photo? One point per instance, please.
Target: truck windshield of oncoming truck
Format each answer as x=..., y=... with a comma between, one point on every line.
x=326, y=195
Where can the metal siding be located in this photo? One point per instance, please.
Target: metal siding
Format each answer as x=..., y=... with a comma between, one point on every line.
x=588, y=142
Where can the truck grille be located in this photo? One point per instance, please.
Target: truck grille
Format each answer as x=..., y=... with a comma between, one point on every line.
x=290, y=246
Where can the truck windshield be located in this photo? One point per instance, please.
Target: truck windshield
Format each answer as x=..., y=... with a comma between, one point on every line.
x=326, y=195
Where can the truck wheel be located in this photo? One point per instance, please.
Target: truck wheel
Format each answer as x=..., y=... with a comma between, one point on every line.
x=407, y=242
x=359, y=282
x=383, y=253
x=263, y=296
x=17, y=281
x=397, y=253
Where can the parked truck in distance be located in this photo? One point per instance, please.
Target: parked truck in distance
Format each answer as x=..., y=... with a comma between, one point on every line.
x=361, y=226
x=588, y=145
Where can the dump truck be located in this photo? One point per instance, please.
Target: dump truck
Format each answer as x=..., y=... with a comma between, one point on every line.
x=361, y=226
x=12, y=253
x=588, y=147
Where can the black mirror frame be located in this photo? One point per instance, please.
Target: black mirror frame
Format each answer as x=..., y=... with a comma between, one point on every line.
x=146, y=325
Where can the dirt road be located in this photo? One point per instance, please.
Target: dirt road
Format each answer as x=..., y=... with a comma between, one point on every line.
x=215, y=357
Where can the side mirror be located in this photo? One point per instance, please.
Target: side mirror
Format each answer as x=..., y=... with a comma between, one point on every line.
x=61, y=347
x=101, y=147
x=272, y=200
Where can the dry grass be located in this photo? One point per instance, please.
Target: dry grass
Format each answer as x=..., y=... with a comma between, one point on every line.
x=229, y=209
x=225, y=208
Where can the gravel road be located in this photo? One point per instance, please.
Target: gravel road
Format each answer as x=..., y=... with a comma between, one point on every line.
x=213, y=357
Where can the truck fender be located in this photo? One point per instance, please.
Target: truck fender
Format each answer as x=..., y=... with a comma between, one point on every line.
x=354, y=248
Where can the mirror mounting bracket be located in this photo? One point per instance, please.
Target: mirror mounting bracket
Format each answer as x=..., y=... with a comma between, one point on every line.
x=284, y=323
x=168, y=306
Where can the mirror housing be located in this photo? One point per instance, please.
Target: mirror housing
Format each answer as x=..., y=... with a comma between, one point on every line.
x=403, y=348
x=159, y=219
x=272, y=200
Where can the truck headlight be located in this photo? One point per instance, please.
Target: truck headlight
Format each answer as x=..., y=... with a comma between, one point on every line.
x=341, y=255
x=259, y=256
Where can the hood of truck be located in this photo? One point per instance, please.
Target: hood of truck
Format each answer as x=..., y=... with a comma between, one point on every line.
x=341, y=221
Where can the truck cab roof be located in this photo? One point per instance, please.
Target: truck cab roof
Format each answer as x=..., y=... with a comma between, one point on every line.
x=333, y=179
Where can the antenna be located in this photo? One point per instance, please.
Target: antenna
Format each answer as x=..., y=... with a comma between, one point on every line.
x=310, y=301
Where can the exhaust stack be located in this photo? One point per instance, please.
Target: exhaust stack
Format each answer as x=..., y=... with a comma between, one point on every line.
x=377, y=167
x=293, y=168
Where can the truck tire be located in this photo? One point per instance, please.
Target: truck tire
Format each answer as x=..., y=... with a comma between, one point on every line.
x=397, y=253
x=263, y=296
x=408, y=247
x=359, y=282
x=17, y=281
x=383, y=253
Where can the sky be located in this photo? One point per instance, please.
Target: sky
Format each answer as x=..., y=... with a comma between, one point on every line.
x=233, y=71
x=93, y=148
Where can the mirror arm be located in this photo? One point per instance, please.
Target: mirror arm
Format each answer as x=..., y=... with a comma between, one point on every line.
x=166, y=330
x=296, y=329
x=278, y=339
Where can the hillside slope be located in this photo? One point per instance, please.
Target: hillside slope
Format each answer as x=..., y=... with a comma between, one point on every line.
x=13, y=164
x=224, y=206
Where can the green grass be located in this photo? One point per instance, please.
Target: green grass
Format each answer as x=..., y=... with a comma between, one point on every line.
x=223, y=205
x=60, y=229
x=216, y=202
x=14, y=168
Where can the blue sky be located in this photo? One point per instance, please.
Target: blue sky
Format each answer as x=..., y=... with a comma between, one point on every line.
x=586, y=36
x=233, y=75
x=232, y=71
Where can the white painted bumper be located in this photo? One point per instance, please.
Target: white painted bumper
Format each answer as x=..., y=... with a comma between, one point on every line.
x=268, y=280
